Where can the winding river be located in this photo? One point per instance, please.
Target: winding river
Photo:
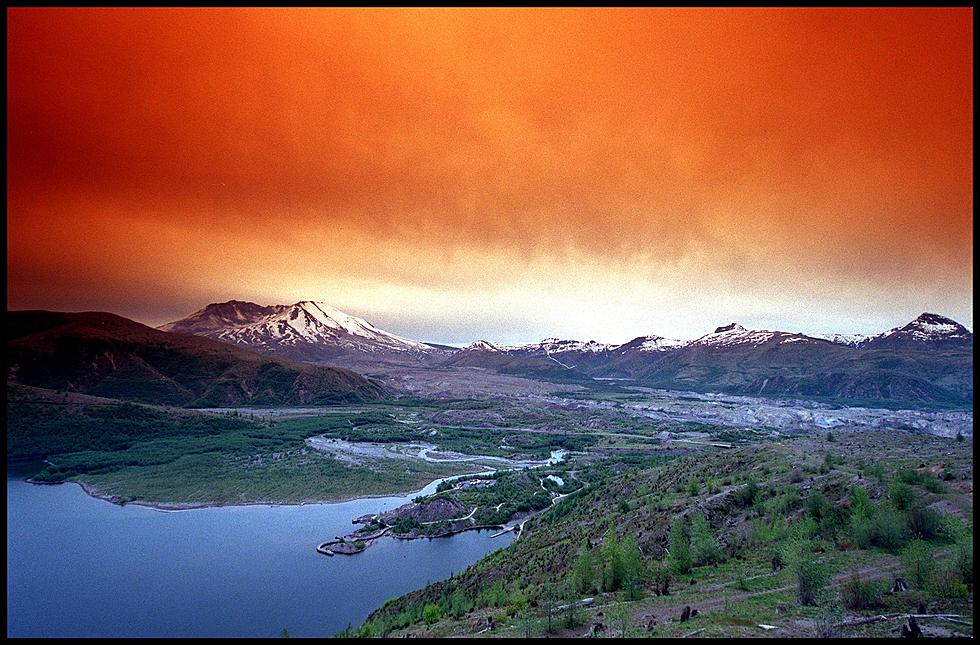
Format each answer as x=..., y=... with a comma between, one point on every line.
x=79, y=566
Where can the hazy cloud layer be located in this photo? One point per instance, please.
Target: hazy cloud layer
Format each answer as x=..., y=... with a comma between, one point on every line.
x=498, y=173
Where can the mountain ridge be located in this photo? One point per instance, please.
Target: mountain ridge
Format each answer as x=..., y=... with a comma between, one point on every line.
x=924, y=362
x=103, y=354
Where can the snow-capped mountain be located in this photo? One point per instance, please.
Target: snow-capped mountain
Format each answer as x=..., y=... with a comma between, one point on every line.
x=644, y=344
x=307, y=330
x=556, y=346
x=480, y=346
x=851, y=340
x=735, y=335
x=927, y=360
x=928, y=331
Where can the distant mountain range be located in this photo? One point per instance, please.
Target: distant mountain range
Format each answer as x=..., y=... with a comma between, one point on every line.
x=106, y=355
x=927, y=362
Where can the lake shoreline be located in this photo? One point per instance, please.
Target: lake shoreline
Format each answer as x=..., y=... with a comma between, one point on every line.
x=91, y=491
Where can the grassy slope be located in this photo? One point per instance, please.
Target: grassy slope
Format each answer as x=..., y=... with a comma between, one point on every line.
x=153, y=454
x=514, y=584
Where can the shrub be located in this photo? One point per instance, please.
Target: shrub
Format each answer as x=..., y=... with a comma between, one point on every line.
x=741, y=581
x=745, y=496
x=860, y=594
x=660, y=574
x=459, y=604
x=515, y=603
x=963, y=555
x=888, y=529
x=811, y=576
x=817, y=506
x=924, y=523
x=861, y=530
x=945, y=583
x=916, y=478
x=693, y=486
x=431, y=614
x=901, y=495
x=876, y=470
x=933, y=485
x=860, y=501
x=918, y=563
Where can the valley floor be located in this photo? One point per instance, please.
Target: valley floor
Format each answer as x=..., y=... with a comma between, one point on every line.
x=847, y=496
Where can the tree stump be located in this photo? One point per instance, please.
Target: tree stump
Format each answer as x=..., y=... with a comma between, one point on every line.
x=911, y=629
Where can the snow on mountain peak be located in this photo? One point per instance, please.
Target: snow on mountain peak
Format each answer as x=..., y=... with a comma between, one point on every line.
x=730, y=327
x=734, y=334
x=851, y=340
x=658, y=344
x=308, y=323
x=481, y=346
x=927, y=328
x=936, y=324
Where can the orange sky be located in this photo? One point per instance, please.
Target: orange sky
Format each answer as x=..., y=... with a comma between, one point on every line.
x=509, y=174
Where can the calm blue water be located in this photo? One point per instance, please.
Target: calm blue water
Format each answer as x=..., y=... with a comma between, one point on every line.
x=78, y=566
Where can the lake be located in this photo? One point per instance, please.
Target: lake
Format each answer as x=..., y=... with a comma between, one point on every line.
x=79, y=566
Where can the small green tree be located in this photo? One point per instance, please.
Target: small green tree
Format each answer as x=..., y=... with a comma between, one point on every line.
x=634, y=568
x=861, y=501
x=828, y=463
x=583, y=570
x=918, y=563
x=621, y=614
x=571, y=607
x=550, y=595
x=693, y=486
x=876, y=470
x=661, y=577
x=612, y=560
x=528, y=623
x=811, y=576
x=680, y=547
x=703, y=546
